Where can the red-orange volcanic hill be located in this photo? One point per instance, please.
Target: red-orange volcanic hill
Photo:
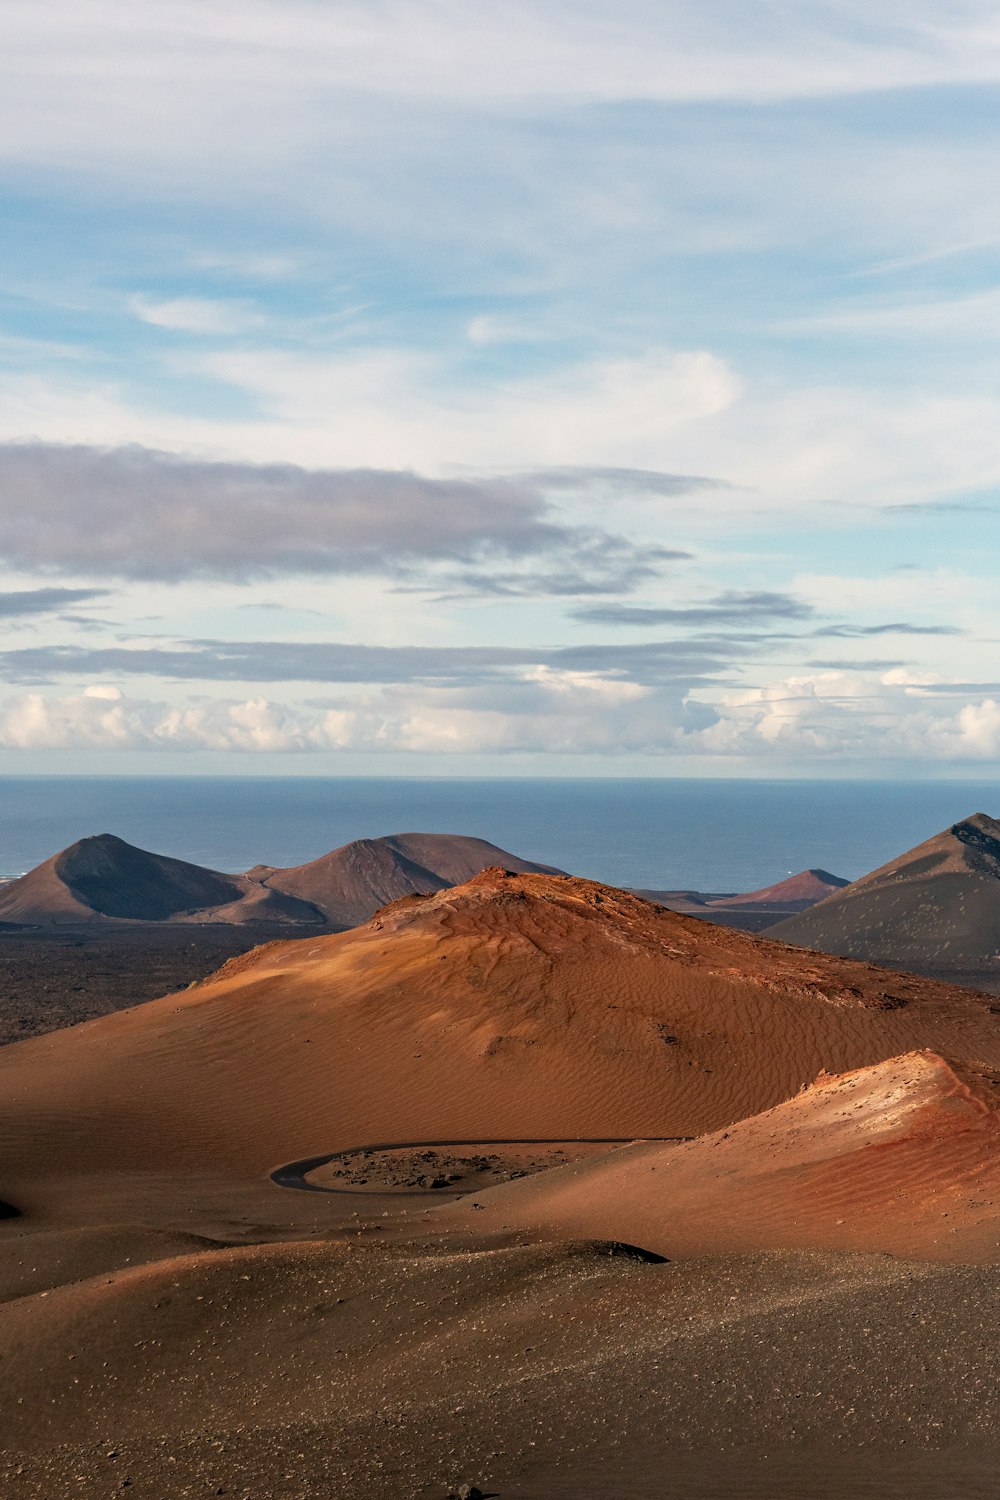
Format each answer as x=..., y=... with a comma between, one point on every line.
x=753, y=911
x=350, y=883
x=527, y=1005
x=807, y=888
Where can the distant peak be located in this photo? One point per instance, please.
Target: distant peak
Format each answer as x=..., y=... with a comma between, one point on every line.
x=808, y=887
x=96, y=844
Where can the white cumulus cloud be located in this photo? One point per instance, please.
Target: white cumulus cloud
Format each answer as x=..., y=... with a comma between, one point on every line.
x=823, y=717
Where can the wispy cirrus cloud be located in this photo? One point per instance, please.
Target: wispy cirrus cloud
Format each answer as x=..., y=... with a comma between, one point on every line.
x=18, y=603
x=943, y=507
x=601, y=564
x=204, y=315
x=841, y=664
x=895, y=627
x=614, y=480
x=732, y=607
x=514, y=55
x=684, y=660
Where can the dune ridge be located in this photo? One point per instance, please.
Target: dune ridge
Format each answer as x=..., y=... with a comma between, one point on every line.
x=900, y=1156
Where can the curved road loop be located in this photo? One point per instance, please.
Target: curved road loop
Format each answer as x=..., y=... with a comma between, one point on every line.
x=295, y=1174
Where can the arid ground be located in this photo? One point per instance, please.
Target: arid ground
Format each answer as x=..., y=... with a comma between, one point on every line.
x=527, y=1184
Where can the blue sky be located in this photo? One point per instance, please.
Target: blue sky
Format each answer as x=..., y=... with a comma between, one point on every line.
x=442, y=388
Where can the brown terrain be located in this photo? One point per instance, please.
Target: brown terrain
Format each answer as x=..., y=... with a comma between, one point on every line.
x=753, y=911
x=761, y=1295
x=59, y=976
x=935, y=909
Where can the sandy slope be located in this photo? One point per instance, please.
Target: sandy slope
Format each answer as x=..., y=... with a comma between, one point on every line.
x=526, y=1006
x=903, y=1156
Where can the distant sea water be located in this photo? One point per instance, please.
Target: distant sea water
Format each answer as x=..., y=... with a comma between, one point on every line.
x=659, y=833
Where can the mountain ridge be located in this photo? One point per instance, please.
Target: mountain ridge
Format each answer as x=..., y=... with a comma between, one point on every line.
x=103, y=879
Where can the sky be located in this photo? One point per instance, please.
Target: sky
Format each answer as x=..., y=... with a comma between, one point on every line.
x=480, y=387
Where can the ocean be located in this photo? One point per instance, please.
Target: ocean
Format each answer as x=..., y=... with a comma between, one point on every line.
x=660, y=833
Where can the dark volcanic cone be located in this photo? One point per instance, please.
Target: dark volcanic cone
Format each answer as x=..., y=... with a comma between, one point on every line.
x=106, y=878
x=350, y=883
x=937, y=907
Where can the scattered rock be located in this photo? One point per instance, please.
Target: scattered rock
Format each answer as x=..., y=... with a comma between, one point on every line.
x=618, y=1248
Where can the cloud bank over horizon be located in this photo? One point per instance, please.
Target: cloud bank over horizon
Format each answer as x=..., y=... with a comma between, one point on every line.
x=543, y=712
x=574, y=387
